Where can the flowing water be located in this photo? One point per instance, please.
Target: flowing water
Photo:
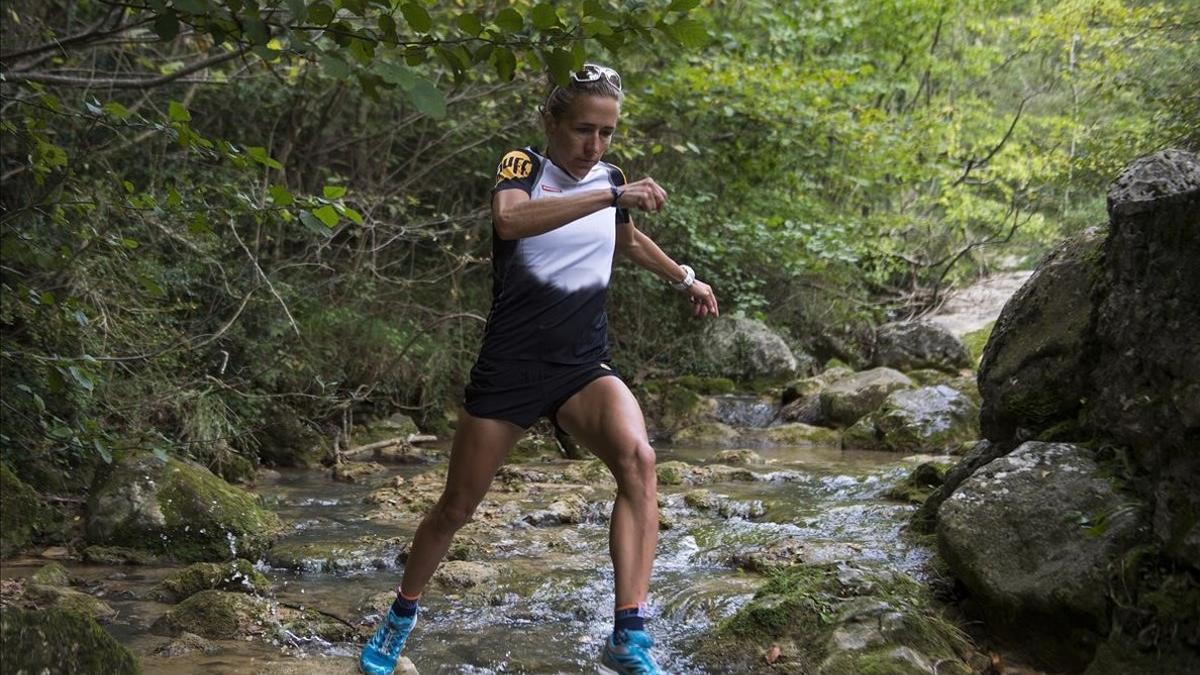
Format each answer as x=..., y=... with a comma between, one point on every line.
x=551, y=605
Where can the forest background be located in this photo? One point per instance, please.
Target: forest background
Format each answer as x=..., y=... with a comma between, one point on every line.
x=228, y=224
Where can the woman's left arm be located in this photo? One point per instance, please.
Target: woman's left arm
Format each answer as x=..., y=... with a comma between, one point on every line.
x=641, y=249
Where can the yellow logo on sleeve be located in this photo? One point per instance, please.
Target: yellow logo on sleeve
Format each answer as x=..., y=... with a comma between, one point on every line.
x=514, y=166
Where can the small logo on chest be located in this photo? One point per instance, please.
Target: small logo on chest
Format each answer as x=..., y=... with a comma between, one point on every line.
x=551, y=188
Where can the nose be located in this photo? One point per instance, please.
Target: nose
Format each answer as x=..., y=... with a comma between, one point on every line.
x=592, y=145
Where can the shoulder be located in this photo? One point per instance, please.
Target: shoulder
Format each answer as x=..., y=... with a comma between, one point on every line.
x=518, y=164
x=615, y=174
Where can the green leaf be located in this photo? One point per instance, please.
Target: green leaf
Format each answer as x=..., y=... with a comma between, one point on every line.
x=335, y=67
x=151, y=286
x=359, y=7
x=129, y=243
x=260, y=155
x=690, y=33
x=394, y=73
x=387, y=26
x=509, y=20
x=468, y=23
x=543, y=16
x=80, y=378
x=354, y=216
x=559, y=62
x=506, y=63
x=192, y=6
x=173, y=198
x=199, y=224
x=334, y=191
x=683, y=5
x=327, y=215
x=320, y=14
x=116, y=110
x=298, y=9
x=255, y=29
x=167, y=26
x=314, y=224
x=417, y=16
x=280, y=195
x=177, y=113
x=428, y=99
x=102, y=451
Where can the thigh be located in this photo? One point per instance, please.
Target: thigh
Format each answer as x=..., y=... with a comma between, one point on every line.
x=480, y=447
x=605, y=417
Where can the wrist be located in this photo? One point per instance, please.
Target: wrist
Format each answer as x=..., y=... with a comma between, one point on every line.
x=616, y=196
x=689, y=278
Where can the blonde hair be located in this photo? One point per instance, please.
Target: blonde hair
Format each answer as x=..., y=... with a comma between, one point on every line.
x=560, y=98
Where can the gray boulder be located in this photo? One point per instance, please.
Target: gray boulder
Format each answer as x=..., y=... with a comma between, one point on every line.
x=745, y=349
x=909, y=345
x=1050, y=591
x=847, y=400
x=929, y=419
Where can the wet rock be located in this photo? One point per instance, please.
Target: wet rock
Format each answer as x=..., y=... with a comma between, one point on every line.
x=398, y=425
x=22, y=515
x=356, y=472
x=784, y=553
x=928, y=419
x=536, y=447
x=706, y=500
x=566, y=511
x=717, y=473
x=1051, y=592
x=176, y=507
x=365, y=553
x=980, y=454
x=237, y=576
x=672, y=404
x=70, y=600
x=796, y=434
x=672, y=473
x=705, y=434
x=745, y=349
x=51, y=574
x=802, y=398
x=463, y=575
x=918, y=485
x=908, y=345
x=186, y=643
x=287, y=441
x=848, y=399
x=1032, y=373
x=745, y=411
x=218, y=615
x=118, y=555
x=43, y=641
x=742, y=456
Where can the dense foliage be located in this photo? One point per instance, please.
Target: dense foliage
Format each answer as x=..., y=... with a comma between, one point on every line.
x=225, y=219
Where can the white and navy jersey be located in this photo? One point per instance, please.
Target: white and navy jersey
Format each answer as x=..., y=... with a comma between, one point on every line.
x=548, y=290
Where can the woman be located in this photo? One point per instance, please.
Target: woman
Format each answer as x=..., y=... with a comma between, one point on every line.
x=557, y=219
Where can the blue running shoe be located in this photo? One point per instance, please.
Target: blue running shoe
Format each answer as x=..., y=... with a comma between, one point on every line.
x=380, y=654
x=627, y=652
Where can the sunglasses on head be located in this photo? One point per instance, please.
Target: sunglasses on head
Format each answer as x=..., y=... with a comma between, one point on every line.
x=591, y=72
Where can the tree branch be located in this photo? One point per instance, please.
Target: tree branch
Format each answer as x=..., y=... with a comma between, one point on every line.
x=123, y=83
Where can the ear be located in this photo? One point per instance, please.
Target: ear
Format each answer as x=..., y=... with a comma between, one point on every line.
x=548, y=121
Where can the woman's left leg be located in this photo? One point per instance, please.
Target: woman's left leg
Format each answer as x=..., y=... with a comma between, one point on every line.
x=606, y=418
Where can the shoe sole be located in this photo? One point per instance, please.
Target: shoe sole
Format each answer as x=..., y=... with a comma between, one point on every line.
x=605, y=670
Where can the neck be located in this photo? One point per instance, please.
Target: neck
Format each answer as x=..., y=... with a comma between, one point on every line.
x=557, y=158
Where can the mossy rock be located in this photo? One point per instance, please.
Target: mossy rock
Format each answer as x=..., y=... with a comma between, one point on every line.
x=238, y=576
x=118, y=555
x=740, y=456
x=176, y=507
x=56, y=641
x=398, y=425
x=709, y=386
x=218, y=615
x=22, y=514
x=51, y=574
x=68, y=599
x=798, y=434
x=672, y=473
x=535, y=447
x=976, y=340
x=918, y=485
x=705, y=434
x=368, y=552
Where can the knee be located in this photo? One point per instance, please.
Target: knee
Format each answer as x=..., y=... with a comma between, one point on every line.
x=450, y=514
x=635, y=467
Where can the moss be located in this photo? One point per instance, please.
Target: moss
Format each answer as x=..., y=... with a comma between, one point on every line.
x=22, y=515
x=217, y=615
x=976, y=341
x=51, y=574
x=238, y=576
x=61, y=597
x=920, y=483
x=707, y=385
x=118, y=555
x=671, y=473
x=799, y=434
x=705, y=433
x=44, y=640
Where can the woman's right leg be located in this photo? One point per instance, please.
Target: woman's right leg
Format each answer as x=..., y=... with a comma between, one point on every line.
x=479, y=448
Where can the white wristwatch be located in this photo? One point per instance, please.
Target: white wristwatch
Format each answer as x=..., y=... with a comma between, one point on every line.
x=689, y=278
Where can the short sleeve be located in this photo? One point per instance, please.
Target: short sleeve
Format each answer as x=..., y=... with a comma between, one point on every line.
x=617, y=176
x=518, y=169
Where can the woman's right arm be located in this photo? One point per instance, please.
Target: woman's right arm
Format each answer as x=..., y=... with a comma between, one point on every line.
x=516, y=216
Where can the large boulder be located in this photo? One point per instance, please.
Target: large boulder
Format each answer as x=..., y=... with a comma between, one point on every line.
x=238, y=576
x=909, y=345
x=847, y=400
x=1145, y=385
x=176, y=507
x=56, y=641
x=928, y=419
x=1033, y=374
x=745, y=349
x=1050, y=591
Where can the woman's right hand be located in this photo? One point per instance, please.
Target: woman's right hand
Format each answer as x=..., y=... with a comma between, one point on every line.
x=644, y=195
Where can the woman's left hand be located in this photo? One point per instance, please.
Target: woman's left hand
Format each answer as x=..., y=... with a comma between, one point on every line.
x=703, y=300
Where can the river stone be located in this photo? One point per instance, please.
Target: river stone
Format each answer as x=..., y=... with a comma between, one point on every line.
x=745, y=411
x=908, y=345
x=928, y=419
x=1050, y=591
x=186, y=643
x=356, y=472
x=742, y=456
x=745, y=349
x=706, y=434
x=218, y=615
x=1033, y=374
x=42, y=641
x=1146, y=377
x=850, y=398
x=462, y=575
x=707, y=500
x=797, y=434
x=786, y=552
x=118, y=555
x=368, y=552
x=68, y=599
x=238, y=576
x=802, y=398
x=21, y=513
x=566, y=511
x=51, y=574
x=176, y=507
x=980, y=454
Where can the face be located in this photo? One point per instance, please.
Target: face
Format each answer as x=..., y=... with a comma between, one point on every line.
x=579, y=138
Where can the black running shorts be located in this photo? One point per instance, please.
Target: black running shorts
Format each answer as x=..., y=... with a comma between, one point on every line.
x=523, y=391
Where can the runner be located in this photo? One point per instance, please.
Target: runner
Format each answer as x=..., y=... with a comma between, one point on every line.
x=557, y=219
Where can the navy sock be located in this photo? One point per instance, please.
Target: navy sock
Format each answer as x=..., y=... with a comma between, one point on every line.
x=630, y=618
x=404, y=607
